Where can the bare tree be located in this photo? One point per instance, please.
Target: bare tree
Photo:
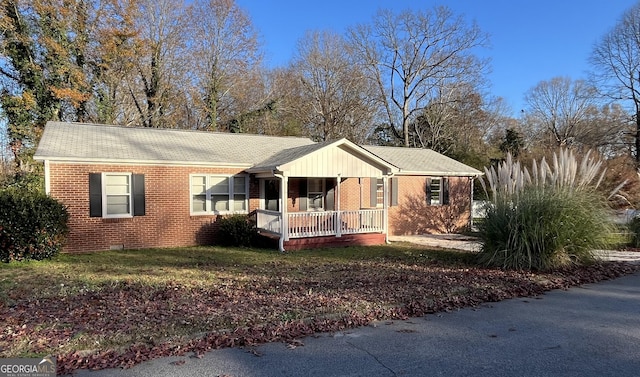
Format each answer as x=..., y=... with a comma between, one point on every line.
x=616, y=63
x=226, y=60
x=558, y=108
x=159, y=45
x=460, y=125
x=477, y=118
x=608, y=130
x=568, y=112
x=336, y=96
x=113, y=55
x=413, y=57
x=287, y=95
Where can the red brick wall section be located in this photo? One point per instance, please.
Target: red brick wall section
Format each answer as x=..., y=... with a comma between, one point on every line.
x=413, y=215
x=351, y=191
x=254, y=193
x=167, y=222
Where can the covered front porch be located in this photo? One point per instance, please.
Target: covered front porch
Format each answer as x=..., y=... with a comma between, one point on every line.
x=333, y=193
x=321, y=229
x=322, y=223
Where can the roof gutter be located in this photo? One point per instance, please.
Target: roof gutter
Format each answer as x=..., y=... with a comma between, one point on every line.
x=103, y=161
x=440, y=173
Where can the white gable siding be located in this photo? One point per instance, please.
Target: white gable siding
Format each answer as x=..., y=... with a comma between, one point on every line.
x=331, y=162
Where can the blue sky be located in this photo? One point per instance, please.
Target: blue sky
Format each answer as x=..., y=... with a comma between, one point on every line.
x=531, y=41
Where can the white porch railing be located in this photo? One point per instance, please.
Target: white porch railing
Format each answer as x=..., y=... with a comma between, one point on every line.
x=312, y=224
x=325, y=223
x=362, y=221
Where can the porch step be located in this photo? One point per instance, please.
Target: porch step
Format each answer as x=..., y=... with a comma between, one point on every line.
x=267, y=241
x=368, y=239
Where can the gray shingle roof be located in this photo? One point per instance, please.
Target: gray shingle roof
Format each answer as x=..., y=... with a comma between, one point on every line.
x=90, y=142
x=421, y=161
x=63, y=141
x=287, y=155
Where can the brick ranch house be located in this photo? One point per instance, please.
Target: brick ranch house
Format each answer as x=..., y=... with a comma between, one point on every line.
x=128, y=188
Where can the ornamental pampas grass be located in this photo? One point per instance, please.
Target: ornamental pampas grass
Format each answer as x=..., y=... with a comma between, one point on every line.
x=549, y=218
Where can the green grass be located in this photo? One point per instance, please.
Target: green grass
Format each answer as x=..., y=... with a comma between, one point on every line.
x=115, y=299
x=71, y=273
x=197, y=273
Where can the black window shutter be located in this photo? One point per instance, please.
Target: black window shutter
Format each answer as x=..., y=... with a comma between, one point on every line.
x=330, y=198
x=95, y=194
x=445, y=190
x=137, y=183
x=428, y=191
x=373, y=201
x=302, y=196
x=394, y=191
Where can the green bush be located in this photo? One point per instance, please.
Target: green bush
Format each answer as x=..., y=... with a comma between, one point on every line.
x=32, y=225
x=634, y=229
x=236, y=230
x=546, y=219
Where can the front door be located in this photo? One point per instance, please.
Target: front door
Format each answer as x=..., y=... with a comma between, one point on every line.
x=272, y=195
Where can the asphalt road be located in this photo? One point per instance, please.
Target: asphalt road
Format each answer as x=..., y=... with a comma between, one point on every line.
x=592, y=330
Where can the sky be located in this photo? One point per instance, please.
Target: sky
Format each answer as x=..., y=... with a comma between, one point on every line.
x=530, y=40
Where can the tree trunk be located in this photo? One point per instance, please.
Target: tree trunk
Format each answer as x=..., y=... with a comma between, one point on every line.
x=637, y=138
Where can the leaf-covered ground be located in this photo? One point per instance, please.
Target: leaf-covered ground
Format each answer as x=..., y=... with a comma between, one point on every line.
x=117, y=309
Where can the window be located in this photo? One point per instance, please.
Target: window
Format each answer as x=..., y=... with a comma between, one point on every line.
x=315, y=194
x=376, y=195
x=218, y=193
x=239, y=194
x=116, y=195
x=437, y=191
x=379, y=192
x=434, y=191
x=198, y=194
x=272, y=194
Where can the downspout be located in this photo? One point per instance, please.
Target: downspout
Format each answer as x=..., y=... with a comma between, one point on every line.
x=471, y=205
x=338, y=209
x=385, y=206
x=284, y=223
x=47, y=178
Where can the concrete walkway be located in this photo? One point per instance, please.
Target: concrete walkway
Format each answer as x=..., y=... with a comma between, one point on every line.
x=445, y=241
x=588, y=331
x=468, y=243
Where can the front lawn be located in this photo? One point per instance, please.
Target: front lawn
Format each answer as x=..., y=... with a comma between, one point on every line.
x=119, y=308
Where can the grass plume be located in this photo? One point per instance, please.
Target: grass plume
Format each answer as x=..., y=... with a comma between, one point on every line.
x=550, y=217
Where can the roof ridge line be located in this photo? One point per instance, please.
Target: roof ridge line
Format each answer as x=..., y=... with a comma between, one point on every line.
x=164, y=129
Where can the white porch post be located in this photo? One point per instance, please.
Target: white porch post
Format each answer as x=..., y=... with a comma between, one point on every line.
x=284, y=222
x=283, y=203
x=385, y=207
x=338, y=212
